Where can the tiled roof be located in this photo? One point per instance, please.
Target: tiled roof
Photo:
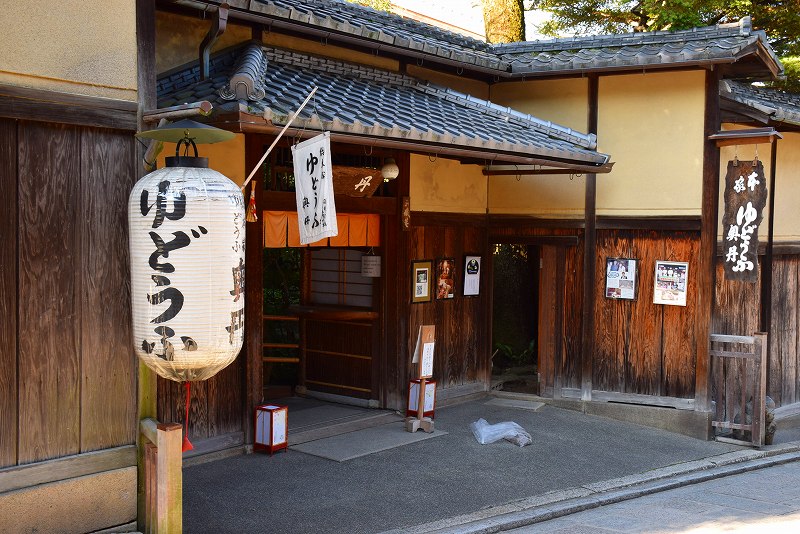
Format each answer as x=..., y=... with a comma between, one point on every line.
x=712, y=44
x=779, y=106
x=362, y=22
x=354, y=99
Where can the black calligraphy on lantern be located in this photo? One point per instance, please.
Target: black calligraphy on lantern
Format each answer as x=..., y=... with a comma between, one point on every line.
x=165, y=292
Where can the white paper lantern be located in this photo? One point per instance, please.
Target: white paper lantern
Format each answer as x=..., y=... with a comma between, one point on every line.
x=187, y=270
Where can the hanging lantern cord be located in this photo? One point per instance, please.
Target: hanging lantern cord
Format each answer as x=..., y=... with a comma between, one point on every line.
x=187, y=445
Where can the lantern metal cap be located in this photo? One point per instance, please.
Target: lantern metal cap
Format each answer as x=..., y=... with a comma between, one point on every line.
x=187, y=129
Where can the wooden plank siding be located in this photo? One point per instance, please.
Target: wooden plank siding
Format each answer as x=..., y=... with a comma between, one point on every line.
x=50, y=282
x=67, y=369
x=8, y=292
x=461, y=323
x=108, y=366
x=640, y=348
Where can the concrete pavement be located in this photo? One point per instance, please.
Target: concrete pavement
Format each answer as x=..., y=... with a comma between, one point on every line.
x=765, y=500
x=451, y=483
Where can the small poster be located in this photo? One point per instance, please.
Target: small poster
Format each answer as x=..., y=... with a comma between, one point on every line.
x=472, y=276
x=621, y=274
x=445, y=278
x=670, y=283
x=427, y=360
x=421, y=280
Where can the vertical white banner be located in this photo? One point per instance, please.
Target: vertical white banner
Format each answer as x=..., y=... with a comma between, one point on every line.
x=313, y=182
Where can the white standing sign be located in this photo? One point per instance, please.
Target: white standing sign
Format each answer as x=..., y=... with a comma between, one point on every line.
x=313, y=177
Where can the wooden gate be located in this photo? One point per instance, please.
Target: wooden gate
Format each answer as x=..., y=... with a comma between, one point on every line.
x=739, y=373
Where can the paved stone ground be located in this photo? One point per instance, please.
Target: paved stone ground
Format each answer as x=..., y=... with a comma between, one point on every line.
x=415, y=485
x=766, y=500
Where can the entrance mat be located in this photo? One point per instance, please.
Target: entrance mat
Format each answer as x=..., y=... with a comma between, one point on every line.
x=363, y=442
x=516, y=403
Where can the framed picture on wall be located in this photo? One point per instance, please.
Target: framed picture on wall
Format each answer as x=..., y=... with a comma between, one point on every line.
x=472, y=275
x=421, y=280
x=621, y=278
x=445, y=278
x=670, y=283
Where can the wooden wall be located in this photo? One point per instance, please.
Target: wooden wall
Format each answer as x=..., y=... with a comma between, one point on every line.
x=736, y=312
x=216, y=404
x=641, y=347
x=461, y=322
x=67, y=371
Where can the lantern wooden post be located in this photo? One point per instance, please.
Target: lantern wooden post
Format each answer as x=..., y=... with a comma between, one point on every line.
x=423, y=357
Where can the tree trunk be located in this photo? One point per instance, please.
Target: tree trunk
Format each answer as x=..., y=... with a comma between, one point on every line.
x=504, y=20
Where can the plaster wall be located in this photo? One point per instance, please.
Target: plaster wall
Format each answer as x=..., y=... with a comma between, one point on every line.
x=446, y=185
x=651, y=125
x=178, y=39
x=71, y=46
x=561, y=101
x=787, y=183
x=226, y=157
x=81, y=504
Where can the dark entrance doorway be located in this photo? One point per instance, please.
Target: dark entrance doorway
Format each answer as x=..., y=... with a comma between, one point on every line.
x=515, y=317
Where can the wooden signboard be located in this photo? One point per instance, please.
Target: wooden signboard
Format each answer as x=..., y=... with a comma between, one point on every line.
x=745, y=198
x=356, y=181
x=423, y=358
x=423, y=351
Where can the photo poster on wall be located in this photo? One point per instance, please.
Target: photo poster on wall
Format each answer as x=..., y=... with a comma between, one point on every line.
x=621, y=278
x=671, y=279
x=423, y=351
x=472, y=276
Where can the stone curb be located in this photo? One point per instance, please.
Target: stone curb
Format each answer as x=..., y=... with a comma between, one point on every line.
x=551, y=505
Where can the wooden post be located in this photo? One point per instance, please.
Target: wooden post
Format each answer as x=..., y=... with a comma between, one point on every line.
x=759, y=398
x=146, y=91
x=765, y=301
x=707, y=264
x=167, y=480
x=589, y=256
x=169, y=477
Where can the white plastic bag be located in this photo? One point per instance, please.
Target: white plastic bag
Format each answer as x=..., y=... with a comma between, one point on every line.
x=509, y=431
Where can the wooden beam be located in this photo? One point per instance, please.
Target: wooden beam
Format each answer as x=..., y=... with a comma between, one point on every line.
x=287, y=201
x=25, y=476
x=51, y=106
x=589, y=255
x=202, y=108
x=540, y=240
x=753, y=136
x=706, y=277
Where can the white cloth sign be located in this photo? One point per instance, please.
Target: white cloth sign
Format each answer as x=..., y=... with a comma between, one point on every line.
x=313, y=182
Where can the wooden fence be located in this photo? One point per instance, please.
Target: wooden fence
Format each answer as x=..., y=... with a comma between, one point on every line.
x=737, y=385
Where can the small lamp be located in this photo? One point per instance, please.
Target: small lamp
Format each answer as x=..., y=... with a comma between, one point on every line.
x=390, y=170
x=271, y=424
x=413, y=398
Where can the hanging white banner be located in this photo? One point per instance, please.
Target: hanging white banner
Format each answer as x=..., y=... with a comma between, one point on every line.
x=313, y=183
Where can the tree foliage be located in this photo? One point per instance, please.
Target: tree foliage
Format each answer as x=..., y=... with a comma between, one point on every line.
x=780, y=19
x=503, y=20
x=379, y=5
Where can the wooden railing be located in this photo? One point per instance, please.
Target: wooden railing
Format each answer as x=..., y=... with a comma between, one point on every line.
x=737, y=384
x=161, y=509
